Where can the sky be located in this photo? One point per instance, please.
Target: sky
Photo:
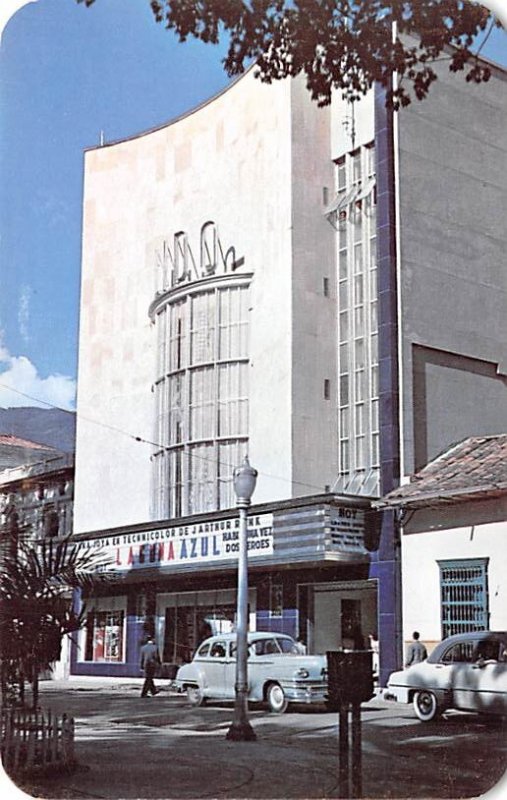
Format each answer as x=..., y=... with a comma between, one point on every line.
x=68, y=73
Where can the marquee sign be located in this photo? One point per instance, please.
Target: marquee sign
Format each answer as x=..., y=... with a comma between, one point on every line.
x=183, y=545
x=347, y=529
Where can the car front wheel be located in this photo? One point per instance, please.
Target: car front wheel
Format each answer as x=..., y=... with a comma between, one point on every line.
x=425, y=706
x=195, y=696
x=277, y=701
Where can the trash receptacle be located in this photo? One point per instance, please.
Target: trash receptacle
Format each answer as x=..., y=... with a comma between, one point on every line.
x=350, y=676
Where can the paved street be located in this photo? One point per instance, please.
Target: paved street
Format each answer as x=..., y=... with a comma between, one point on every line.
x=159, y=747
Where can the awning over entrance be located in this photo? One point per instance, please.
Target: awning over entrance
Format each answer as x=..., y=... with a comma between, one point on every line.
x=306, y=531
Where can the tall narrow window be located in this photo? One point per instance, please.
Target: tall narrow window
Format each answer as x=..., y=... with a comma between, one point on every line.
x=358, y=423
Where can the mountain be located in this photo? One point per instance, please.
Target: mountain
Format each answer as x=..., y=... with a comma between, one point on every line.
x=48, y=426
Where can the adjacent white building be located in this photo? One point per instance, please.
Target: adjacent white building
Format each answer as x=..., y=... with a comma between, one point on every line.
x=453, y=556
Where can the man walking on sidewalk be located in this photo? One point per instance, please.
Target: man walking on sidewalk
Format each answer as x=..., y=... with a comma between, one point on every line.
x=150, y=659
x=416, y=651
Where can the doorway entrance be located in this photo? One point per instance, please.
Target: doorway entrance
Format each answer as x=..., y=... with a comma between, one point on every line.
x=341, y=615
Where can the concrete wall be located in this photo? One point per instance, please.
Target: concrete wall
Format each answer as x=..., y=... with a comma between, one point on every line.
x=241, y=161
x=314, y=418
x=454, y=540
x=453, y=239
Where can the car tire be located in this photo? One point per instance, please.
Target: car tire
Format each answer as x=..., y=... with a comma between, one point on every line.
x=276, y=699
x=332, y=705
x=194, y=696
x=426, y=706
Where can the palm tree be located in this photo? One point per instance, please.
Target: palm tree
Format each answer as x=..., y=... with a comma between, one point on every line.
x=37, y=608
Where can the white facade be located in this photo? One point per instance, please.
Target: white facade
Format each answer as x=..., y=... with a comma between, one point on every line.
x=429, y=545
x=282, y=195
x=227, y=200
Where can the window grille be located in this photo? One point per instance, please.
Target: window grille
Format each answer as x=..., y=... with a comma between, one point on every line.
x=464, y=596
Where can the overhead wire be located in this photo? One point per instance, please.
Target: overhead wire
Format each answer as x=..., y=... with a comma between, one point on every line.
x=142, y=440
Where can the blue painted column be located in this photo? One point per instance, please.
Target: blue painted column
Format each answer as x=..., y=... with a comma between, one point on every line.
x=385, y=566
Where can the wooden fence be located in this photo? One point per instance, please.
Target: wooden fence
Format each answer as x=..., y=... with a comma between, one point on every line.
x=36, y=740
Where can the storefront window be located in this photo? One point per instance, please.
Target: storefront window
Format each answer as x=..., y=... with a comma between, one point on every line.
x=104, y=636
x=186, y=627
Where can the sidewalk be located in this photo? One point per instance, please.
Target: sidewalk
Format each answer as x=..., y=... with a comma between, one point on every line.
x=160, y=747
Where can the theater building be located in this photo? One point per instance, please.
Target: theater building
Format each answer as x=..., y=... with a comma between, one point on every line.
x=308, y=576
x=306, y=285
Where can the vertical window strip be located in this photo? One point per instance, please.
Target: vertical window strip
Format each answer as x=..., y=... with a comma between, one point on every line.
x=229, y=454
x=357, y=315
x=162, y=341
x=202, y=482
x=202, y=331
x=202, y=403
x=233, y=399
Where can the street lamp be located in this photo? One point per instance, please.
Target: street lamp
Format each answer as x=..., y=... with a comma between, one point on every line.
x=245, y=478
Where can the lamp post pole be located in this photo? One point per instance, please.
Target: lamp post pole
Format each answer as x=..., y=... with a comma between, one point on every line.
x=244, y=484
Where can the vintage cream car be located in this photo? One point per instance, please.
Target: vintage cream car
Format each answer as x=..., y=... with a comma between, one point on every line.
x=277, y=673
x=467, y=672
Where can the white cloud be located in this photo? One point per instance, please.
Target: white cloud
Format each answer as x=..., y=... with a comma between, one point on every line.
x=18, y=373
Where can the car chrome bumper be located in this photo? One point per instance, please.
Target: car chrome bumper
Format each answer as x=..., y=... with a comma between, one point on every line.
x=396, y=694
x=305, y=694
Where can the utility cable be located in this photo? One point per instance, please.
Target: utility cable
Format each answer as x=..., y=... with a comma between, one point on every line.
x=156, y=445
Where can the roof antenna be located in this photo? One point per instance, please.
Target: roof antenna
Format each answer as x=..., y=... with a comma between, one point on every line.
x=102, y=138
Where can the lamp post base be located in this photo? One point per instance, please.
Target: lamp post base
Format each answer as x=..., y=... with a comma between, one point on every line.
x=241, y=732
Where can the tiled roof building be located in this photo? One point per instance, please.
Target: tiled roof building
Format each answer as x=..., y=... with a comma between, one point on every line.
x=473, y=468
x=15, y=451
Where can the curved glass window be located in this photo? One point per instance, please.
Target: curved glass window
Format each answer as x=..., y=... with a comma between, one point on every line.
x=202, y=399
